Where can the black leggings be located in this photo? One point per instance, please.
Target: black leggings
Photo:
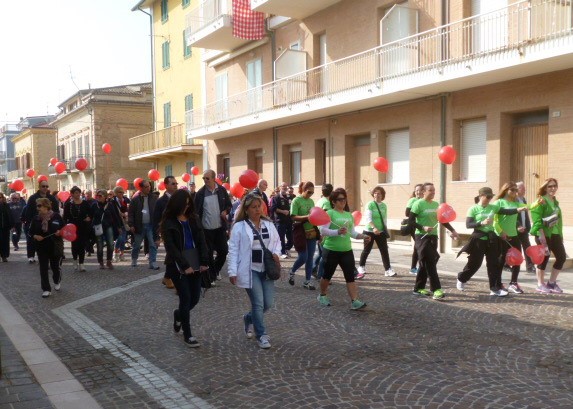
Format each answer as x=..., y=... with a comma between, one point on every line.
x=382, y=243
x=555, y=245
x=333, y=259
x=516, y=243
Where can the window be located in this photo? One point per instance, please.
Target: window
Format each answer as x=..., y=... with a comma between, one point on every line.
x=224, y=165
x=398, y=156
x=167, y=115
x=255, y=161
x=186, y=48
x=221, y=92
x=188, y=102
x=81, y=146
x=254, y=82
x=164, y=11
x=165, y=55
x=295, y=164
x=185, y=3
x=188, y=166
x=87, y=145
x=320, y=161
x=472, y=150
x=168, y=170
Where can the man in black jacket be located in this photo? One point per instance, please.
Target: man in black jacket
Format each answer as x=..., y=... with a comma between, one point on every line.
x=212, y=204
x=170, y=188
x=31, y=211
x=140, y=221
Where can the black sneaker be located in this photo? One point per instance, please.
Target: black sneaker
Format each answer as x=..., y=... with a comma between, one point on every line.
x=176, y=321
x=291, y=279
x=192, y=342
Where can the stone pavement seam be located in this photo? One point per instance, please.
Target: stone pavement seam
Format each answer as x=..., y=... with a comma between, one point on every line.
x=48, y=371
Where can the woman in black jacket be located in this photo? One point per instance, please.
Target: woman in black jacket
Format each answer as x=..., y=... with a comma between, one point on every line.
x=78, y=212
x=106, y=213
x=6, y=224
x=185, y=244
x=45, y=231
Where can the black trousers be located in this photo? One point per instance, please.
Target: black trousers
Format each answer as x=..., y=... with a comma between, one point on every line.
x=382, y=243
x=16, y=234
x=189, y=291
x=30, y=243
x=333, y=259
x=48, y=261
x=481, y=249
x=427, y=248
x=414, y=254
x=513, y=242
x=555, y=244
x=4, y=243
x=216, y=242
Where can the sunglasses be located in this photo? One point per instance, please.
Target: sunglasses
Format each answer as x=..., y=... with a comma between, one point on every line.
x=340, y=199
x=44, y=186
x=310, y=192
x=513, y=189
x=204, y=178
x=173, y=184
x=39, y=206
x=551, y=186
x=488, y=197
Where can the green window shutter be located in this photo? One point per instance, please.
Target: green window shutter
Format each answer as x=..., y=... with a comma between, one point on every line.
x=185, y=3
x=186, y=48
x=167, y=115
x=164, y=11
x=168, y=170
x=188, y=102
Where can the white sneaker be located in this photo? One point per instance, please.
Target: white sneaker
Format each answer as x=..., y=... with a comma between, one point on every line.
x=265, y=342
x=76, y=265
x=46, y=294
x=82, y=268
x=361, y=270
x=288, y=254
x=459, y=285
x=390, y=272
x=499, y=293
x=57, y=286
x=283, y=256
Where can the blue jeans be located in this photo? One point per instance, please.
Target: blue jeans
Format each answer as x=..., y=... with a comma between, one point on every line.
x=138, y=239
x=108, y=237
x=121, y=240
x=262, y=296
x=306, y=258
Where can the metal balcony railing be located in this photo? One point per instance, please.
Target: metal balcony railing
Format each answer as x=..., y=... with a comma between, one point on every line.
x=162, y=139
x=16, y=174
x=3, y=156
x=71, y=162
x=484, y=36
x=209, y=11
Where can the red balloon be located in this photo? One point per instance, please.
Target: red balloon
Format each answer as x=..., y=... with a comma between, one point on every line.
x=186, y=177
x=30, y=173
x=10, y=186
x=106, y=147
x=23, y=191
x=513, y=257
x=121, y=182
x=446, y=213
x=81, y=164
x=60, y=167
x=195, y=170
x=63, y=195
x=237, y=190
x=154, y=175
x=42, y=178
x=219, y=181
x=318, y=216
x=17, y=185
x=227, y=186
x=536, y=254
x=136, y=183
x=381, y=164
x=53, y=161
x=249, y=179
x=357, y=216
x=447, y=155
x=161, y=185
x=69, y=232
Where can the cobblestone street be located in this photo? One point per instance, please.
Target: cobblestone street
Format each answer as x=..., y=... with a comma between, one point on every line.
x=113, y=331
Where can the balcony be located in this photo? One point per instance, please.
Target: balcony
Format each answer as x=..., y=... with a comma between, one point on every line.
x=16, y=174
x=298, y=9
x=523, y=39
x=71, y=166
x=211, y=26
x=3, y=156
x=164, y=142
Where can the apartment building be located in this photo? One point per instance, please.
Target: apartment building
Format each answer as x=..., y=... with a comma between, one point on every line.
x=92, y=117
x=177, y=87
x=336, y=84
x=7, y=162
x=33, y=147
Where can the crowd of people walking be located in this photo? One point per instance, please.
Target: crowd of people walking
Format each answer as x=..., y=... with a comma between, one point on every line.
x=203, y=230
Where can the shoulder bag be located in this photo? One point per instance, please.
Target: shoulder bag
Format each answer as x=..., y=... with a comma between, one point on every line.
x=272, y=268
x=382, y=221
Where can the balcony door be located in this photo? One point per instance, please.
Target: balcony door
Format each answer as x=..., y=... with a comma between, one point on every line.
x=490, y=29
x=254, y=82
x=398, y=23
x=221, y=93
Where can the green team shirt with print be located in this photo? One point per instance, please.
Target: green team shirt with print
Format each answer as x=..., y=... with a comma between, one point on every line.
x=480, y=213
x=324, y=203
x=506, y=222
x=301, y=207
x=338, y=220
x=426, y=215
x=376, y=214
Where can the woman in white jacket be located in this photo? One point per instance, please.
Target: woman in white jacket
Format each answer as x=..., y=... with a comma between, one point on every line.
x=245, y=261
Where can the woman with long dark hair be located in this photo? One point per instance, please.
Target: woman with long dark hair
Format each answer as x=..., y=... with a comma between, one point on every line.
x=418, y=193
x=182, y=232
x=78, y=212
x=547, y=221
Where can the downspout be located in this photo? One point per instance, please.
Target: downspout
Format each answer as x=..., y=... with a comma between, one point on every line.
x=275, y=130
x=443, y=101
x=152, y=62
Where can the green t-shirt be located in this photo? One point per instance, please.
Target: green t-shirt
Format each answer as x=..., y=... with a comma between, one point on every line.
x=376, y=214
x=411, y=202
x=338, y=220
x=506, y=222
x=301, y=207
x=427, y=215
x=480, y=213
x=324, y=203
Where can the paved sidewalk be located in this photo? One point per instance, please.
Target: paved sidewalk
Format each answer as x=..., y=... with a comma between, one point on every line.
x=111, y=330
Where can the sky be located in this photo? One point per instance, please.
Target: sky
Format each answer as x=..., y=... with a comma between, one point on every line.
x=50, y=48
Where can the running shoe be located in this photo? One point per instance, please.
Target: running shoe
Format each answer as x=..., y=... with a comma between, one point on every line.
x=422, y=291
x=499, y=293
x=554, y=288
x=515, y=288
x=309, y=285
x=192, y=342
x=438, y=294
x=248, y=327
x=390, y=272
x=291, y=279
x=357, y=304
x=414, y=271
x=542, y=289
x=265, y=342
x=459, y=285
x=323, y=300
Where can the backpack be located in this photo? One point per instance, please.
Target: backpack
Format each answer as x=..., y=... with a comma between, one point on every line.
x=405, y=229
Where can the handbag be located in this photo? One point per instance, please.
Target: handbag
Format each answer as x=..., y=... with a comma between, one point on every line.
x=298, y=236
x=192, y=258
x=272, y=268
x=552, y=220
x=98, y=229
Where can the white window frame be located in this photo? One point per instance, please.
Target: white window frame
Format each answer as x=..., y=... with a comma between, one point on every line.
x=473, y=146
x=295, y=151
x=398, y=156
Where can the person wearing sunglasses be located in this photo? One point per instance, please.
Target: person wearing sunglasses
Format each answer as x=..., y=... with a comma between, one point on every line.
x=505, y=225
x=31, y=212
x=337, y=249
x=6, y=224
x=45, y=231
x=78, y=212
x=16, y=205
x=484, y=242
x=547, y=207
x=170, y=188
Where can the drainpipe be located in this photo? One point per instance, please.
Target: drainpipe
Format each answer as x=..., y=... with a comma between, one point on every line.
x=275, y=130
x=443, y=101
x=152, y=62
